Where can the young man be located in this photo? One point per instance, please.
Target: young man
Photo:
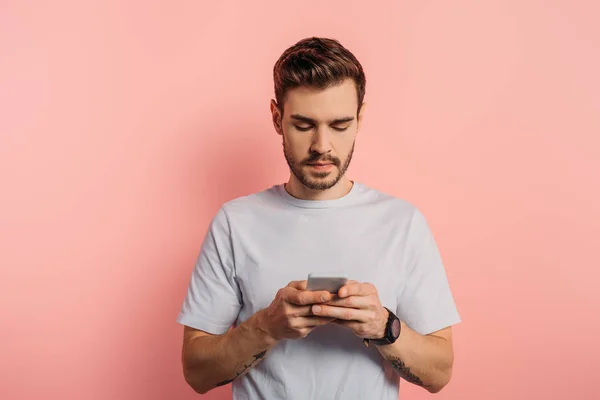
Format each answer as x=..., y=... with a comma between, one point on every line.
x=392, y=320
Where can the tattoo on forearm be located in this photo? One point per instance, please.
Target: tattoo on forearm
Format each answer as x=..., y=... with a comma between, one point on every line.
x=404, y=371
x=225, y=382
x=255, y=360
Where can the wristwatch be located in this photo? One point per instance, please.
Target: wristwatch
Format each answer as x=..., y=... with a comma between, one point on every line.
x=392, y=331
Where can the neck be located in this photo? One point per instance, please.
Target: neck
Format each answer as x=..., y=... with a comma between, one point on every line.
x=296, y=189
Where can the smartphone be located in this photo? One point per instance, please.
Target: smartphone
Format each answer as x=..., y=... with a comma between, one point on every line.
x=327, y=282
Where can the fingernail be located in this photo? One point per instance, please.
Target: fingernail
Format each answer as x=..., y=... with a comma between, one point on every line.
x=323, y=297
x=316, y=309
x=342, y=293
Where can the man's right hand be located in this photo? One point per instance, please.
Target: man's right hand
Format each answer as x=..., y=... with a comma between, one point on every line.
x=289, y=315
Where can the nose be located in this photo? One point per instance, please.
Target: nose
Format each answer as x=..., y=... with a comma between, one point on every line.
x=321, y=143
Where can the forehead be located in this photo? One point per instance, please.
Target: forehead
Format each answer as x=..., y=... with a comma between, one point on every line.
x=322, y=104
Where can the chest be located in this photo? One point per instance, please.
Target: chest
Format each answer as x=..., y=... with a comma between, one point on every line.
x=364, y=248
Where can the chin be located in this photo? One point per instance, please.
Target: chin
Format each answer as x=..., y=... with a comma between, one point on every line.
x=321, y=183
x=317, y=181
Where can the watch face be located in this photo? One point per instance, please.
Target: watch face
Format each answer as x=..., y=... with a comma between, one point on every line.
x=396, y=328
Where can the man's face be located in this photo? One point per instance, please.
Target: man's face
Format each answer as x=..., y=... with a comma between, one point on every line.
x=319, y=128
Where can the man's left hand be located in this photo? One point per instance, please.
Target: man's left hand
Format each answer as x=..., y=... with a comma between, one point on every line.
x=357, y=306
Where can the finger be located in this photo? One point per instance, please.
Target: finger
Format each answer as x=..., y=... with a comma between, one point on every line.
x=308, y=297
x=350, y=302
x=304, y=332
x=354, y=325
x=344, y=313
x=311, y=322
x=356, y=289
x=298, y=285
x=300, y=311
x=305, y=297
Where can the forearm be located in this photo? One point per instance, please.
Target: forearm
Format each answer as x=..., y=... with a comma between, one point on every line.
x=423, y=360
x=211, y=361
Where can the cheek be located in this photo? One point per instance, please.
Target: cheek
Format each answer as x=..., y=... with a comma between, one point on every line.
x=297, y=145
x=344, y=145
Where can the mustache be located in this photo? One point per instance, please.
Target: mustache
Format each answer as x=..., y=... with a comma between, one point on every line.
x=318, y=158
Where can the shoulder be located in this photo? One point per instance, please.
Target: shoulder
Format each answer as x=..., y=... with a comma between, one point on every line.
x=264, y=198
x=242, y=210
x=251, y=205
x=391, y=204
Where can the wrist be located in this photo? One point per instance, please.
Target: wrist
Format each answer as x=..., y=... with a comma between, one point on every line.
x=391, y=330
x=259, y=326
x=384, y=313
x=244, y=341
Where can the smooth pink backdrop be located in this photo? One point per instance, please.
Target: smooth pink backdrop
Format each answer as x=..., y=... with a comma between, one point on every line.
x=125, y=124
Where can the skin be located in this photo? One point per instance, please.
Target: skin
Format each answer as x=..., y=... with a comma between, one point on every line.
x=210, y=361
x=318, y=129
x=318, y=126
x=425, y=360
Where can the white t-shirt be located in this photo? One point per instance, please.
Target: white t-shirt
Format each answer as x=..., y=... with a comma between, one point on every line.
x=257, y=244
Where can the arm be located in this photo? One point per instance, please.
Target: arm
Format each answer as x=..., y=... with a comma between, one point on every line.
x=213, y=354
x=423, y=353
x=425, y=360
x=210, y=361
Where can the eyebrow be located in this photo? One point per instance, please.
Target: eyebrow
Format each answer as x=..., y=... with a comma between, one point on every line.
x=312, y=121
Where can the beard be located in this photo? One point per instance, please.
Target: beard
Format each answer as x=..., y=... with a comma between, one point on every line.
x=317, y=180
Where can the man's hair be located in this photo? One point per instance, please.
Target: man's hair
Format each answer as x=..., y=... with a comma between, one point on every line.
x=318, y=63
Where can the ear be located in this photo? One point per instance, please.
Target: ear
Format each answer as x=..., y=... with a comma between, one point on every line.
x=277, y=115
x=359, y=118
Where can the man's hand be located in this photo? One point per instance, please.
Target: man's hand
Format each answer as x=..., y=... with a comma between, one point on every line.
x=357, y=306
x=289, y=315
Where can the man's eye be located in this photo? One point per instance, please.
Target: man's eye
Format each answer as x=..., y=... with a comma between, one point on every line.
x=339, y=128
x=303, y=128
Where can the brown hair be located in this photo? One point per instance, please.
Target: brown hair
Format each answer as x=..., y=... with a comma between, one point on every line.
x=319, y=63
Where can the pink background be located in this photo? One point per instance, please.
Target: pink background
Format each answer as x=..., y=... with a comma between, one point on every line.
x=125, y=124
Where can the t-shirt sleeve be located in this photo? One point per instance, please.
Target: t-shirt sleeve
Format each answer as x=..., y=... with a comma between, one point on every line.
x=213, y=297
x=425, y=301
